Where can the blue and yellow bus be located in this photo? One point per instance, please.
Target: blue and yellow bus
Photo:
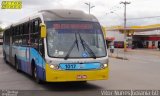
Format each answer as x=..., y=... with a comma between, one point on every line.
x=57, y=46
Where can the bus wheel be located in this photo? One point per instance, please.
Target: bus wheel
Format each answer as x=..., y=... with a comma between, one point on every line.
x=35, y=76
x=17, y=65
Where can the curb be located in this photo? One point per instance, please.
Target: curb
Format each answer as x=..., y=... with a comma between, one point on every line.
x=118, y=57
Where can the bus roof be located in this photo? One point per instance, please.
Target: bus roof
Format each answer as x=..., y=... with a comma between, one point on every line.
x=65, y=14
x=58, y=14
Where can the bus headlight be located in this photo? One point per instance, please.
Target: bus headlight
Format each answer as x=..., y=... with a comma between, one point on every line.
x=52, y=66
x=104, y=66
x=55, y=67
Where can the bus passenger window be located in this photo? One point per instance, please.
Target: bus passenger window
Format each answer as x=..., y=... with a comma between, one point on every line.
x=36, y=26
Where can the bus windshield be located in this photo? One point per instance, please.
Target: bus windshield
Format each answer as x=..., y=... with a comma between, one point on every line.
x=66, y=39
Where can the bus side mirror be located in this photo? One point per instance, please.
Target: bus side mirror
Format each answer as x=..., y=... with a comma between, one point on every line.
x=43, y=30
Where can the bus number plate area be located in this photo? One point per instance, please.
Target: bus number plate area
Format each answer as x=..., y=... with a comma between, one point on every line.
x=85, y=66
x=81, y=76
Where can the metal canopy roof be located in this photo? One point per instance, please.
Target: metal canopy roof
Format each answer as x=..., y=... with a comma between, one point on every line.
x=136, y=28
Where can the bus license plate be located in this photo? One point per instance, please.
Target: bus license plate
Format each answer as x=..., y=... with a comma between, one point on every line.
x=81, y=76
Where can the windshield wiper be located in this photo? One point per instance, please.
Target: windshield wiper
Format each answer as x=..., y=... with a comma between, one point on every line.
x=85, y=46
x=75, y=42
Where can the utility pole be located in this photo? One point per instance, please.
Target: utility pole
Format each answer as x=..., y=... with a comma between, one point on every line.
x=125, y=35
x=89, y=7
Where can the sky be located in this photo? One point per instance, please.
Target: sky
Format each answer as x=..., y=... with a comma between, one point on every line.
x=108, y=12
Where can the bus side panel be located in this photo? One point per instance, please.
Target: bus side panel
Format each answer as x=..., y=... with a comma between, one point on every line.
x=39, y=61
x=22, y=57
x=26, y=55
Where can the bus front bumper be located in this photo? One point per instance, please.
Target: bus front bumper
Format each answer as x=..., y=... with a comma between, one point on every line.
x=75, y=75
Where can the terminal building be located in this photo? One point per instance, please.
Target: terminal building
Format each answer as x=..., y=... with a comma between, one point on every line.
x=136, y=36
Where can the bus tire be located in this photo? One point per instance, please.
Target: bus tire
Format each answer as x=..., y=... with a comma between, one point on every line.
x=34, y=74
x=17, y=65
